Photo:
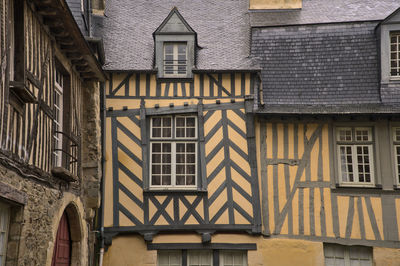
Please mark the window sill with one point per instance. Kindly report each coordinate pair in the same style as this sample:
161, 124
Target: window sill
174, 191
63, 174
355, 185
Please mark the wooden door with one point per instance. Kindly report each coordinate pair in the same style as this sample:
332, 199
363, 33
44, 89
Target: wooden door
62, 247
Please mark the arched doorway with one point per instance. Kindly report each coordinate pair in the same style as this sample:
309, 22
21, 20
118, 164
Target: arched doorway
62, 246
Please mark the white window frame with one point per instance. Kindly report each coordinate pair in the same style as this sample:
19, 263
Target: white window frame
346, 254
174, 141
58, 121
4, 229
231, 252
175, 53
396, 145
199, 252
396, 35
354, 144
172, 252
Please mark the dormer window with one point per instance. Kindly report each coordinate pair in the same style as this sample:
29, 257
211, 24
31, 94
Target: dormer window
175, 44
395, 54
175, 59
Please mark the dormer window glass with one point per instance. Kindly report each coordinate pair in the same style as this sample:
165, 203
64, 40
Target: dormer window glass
175, 59
395, 54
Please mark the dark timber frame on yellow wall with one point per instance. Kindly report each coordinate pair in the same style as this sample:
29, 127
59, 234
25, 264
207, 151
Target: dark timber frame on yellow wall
226, 198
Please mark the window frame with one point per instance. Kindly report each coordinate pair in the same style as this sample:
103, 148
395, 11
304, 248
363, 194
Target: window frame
7, 210
175, 55
396, 157
58, 125
346, 253
223, 252
373, 156
174, 141
192, 252
397, 35
169, 252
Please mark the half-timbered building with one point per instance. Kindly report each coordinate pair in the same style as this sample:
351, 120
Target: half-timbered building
50, 151
251, 133
328, 131
180, 179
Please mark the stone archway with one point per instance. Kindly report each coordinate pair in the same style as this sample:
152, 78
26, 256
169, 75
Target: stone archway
68, 238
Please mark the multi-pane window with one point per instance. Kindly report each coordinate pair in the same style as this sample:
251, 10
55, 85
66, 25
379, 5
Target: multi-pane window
395, 54
338, 255
175, 59
200, 258
4, 222
173, 148
58, 119
169, 258
396, 142
233, 258
355, 155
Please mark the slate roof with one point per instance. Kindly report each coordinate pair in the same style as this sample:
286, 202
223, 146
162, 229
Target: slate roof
308, 61
327, 11
222, 27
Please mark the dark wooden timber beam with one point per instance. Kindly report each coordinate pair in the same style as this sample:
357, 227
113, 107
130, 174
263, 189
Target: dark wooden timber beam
47, 11
76, 56
68, 48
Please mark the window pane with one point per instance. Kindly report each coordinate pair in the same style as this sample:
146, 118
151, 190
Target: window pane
156, 147
180, 147
166, 158
180, 180
166, 180
180, 122
190, 180
166, 147
156, 158
168, 48
180, 169
157, 122
156, 169
180, 132
191, 147
156, 180
190, 132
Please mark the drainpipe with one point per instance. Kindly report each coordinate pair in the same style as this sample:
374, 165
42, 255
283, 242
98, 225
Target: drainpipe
103, 158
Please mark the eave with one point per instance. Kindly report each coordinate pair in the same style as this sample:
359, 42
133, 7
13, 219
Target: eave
61, 24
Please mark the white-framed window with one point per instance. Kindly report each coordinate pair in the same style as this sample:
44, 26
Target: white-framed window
338, 255
355, 155
396, 147
169, 258
4, 225
200, 258
173, 152
233, 258
58, 118
175, 59
395, 54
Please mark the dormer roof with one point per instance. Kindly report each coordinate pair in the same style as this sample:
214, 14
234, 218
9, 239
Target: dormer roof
174, 23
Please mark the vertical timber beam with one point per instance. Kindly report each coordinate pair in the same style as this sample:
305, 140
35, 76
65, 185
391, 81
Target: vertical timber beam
250, 134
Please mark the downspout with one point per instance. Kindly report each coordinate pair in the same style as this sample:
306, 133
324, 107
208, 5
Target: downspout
103, 158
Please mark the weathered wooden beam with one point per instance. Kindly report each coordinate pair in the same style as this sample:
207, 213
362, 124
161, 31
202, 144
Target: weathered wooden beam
47, 11
75, 56
53, 22
68, 48
83, 69
64, 41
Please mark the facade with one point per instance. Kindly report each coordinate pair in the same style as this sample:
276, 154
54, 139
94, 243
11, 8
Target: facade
328, 128
50, 152
265, 134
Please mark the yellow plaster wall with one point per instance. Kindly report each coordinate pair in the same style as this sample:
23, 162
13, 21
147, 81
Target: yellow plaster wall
275, 4
132, 251
386, 256
129, 251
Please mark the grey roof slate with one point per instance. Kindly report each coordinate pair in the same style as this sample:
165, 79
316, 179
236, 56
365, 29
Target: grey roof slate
333, 109
318, 64
222, 27
327, 11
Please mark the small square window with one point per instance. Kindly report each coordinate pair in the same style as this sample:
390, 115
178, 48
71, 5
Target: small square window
355, 155
200, 258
